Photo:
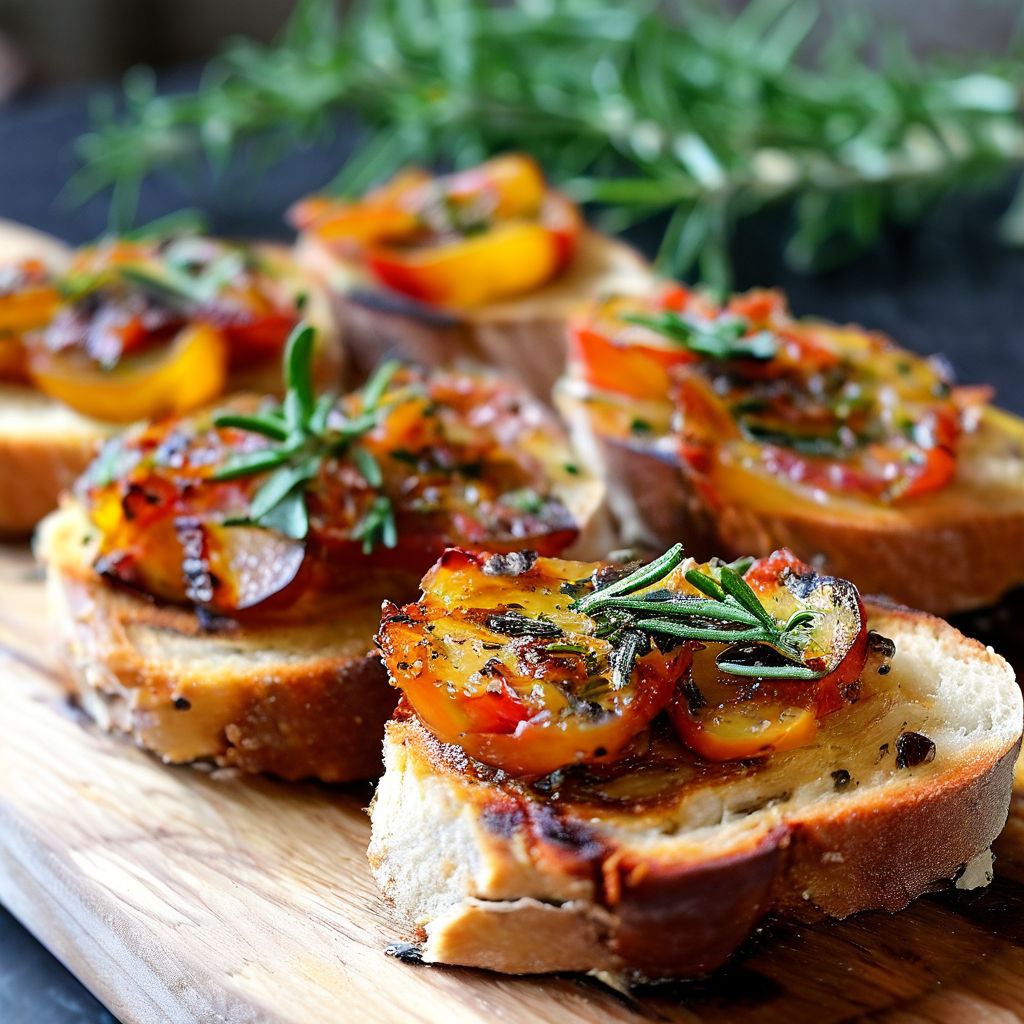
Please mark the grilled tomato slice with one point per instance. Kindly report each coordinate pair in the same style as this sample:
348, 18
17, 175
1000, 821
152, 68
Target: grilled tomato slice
495, 659
204, 510
465, 239
28, 299
535, 664
148, 328
755, 393
743, 700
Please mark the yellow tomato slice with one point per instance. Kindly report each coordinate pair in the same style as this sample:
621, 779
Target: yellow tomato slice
744, 729
27, 310
507, 260
172, 379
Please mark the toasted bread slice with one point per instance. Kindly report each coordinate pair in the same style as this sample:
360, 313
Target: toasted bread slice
298, 701
45, 445
661, 868
951, 550
524, 336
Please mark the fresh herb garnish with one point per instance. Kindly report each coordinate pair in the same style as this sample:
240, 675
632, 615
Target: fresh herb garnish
689, 108
728, 611
722, 338
305, 430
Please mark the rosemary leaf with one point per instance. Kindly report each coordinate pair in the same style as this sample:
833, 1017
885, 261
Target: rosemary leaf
279, 484
251, 463
734, 585
298, 371
289, 516
265, 425
686, 108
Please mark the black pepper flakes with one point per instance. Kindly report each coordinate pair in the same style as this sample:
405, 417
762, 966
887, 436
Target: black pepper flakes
182, 704
840, 779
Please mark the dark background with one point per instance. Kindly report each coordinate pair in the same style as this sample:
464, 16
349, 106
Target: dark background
948, 285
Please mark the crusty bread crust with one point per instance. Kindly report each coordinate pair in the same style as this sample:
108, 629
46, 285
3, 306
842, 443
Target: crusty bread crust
492, 874
525, 336
297, 701
45, 446
955, 550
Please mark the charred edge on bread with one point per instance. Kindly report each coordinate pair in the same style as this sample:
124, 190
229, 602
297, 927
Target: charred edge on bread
502, 819
913, 749
514, 563
573, 837
392, 302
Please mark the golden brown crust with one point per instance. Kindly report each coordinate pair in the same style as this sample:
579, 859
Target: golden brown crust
34, 471
525, 337
666, 892
956, 553
295, 701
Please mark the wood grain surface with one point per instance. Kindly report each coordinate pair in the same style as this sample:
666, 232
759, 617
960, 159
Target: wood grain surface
185, 895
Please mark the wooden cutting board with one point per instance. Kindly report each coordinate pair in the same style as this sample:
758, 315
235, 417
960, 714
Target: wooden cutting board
183, 895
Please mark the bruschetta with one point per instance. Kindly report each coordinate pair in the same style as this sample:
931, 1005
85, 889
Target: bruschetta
620, 770
483, 266
134, 329
741, 428
216, 579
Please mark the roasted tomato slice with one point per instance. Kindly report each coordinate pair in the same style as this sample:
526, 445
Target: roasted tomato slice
822, 407
724, 715
28, 300
465, 239
440, 459
186, 373
502, 666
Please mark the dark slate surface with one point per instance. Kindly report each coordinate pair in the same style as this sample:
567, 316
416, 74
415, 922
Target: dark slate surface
947, 287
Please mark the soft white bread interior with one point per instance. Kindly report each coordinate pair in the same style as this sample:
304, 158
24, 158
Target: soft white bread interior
308, 698
662, 870
947, 551
524, 336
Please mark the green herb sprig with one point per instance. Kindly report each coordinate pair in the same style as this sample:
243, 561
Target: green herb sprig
722, 338
306, 430
687, 108
728, 612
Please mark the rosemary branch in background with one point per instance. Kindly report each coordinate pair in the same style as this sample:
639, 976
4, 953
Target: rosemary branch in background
638, 107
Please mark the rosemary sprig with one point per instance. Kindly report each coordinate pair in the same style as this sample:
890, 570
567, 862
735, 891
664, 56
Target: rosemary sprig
306, 430
721, 338
685, 108
728, 612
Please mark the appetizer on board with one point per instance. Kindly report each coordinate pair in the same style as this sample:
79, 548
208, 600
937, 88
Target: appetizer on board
483, 265
740, 428
217, 578
134, 329
621, 769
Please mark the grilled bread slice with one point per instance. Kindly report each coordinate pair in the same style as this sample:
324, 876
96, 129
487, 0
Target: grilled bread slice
206, 632
45, 444
660, 864
830, 440
524, 337
306, 698
479, 267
